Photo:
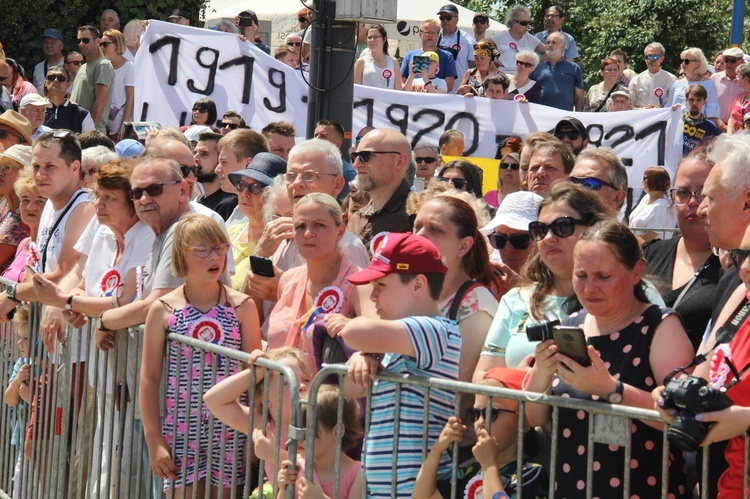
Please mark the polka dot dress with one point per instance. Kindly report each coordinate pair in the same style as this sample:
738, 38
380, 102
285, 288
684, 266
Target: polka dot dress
626, 355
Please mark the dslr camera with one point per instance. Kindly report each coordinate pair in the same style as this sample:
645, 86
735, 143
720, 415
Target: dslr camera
691, 395
542, 331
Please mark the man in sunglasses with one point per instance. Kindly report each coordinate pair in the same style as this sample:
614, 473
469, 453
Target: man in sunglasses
561, 80
553, 21
92, 88
428, 159
429, 33
381, 161
727, 85
601, 171
52, 44
480, 23
651, 88
572, 132
231, 120
459, 43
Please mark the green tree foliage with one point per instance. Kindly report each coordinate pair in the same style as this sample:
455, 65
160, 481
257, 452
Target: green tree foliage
22, 23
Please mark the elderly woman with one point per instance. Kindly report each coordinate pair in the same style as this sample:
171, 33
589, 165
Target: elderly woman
12, 229
597, 100
132, 33
251, 183
508, 179
319, 285
522, 87
484, 54
464, 175
654, 211
371, 68
63, 113
516, 38
123, 91
741, 104
695, 65
31, 205
632, 346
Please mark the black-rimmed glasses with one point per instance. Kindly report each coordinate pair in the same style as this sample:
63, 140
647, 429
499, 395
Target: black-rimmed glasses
518, 241
366, 156
562, 227
474, 413
153, 190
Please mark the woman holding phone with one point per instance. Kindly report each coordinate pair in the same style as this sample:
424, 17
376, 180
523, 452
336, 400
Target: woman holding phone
631, 345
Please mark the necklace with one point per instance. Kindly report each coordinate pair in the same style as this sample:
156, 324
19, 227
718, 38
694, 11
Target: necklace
684, 257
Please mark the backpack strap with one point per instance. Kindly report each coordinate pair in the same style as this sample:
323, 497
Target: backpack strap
459, 296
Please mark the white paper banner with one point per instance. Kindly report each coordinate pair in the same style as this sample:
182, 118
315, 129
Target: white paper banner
177, 65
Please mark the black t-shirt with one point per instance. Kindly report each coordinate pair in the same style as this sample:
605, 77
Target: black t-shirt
221, 202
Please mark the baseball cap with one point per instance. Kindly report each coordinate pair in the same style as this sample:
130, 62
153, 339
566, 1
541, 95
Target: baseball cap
18, 152
193, 132
571, 121
401, 253
480, 15
449, 9
734, 52
621, 92
129, 148
511, 378
179, 13
249, 13
516, 211
52, 33
433, 56
34, 100
17, 122
263, 169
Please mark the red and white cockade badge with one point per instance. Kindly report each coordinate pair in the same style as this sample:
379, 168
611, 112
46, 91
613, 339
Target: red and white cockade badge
513, 46
474, 489
387, 73
378, 241
519, 97
110, 281
208, 331
658, 92
330, 299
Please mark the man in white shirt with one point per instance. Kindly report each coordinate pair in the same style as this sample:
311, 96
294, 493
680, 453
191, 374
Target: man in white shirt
33, 107
727, 85
651, 88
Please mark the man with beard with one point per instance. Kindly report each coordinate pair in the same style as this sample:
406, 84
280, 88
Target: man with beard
553, 21
561, 80
381, 160
573, 133
206, 155
696, 128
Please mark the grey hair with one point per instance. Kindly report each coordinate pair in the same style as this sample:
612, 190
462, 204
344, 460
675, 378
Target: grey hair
743, 71
654, 45
411, 171
171, 166
618, 175
530, 54
697, 53
732, 152
514, 13
556, 34
132, 32
97, 156
427, 145
331, 154
270, 195
117, 16
232, 28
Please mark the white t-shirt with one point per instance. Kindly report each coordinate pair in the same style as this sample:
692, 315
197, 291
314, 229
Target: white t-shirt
124, 77
657, 215
509, 47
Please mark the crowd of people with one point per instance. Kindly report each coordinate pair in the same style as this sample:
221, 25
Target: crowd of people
397, 262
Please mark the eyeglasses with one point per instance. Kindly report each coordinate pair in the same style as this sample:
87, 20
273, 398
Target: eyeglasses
303, 20
569, 134
425, 159
6, 169
4, 134
104, 44
687, 61
591, 183
653, 57
524, 64
83, 40
458, 183
358, 139
231, 126
481, 20
253, 188
446, 18
60, 78
730, 60
196, 169
204, 251
473, 413
523, 23
306, 176
562, 227
75, 63
374, 37
294, 44
153, 190
63, 134
681, 197
512, 166
518, 241
739, 256
366, 156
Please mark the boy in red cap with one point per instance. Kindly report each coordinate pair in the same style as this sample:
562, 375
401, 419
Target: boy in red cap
494, 473
410, 337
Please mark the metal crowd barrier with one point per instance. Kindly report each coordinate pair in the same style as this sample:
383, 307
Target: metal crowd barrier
662, 232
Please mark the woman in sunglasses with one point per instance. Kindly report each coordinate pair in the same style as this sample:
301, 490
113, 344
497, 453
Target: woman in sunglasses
377, 68
516, 38
508, 179
695, 67
631, 345
523, 88
123, 91
654, 211
597, 99
464, 175
546, 279
204, 113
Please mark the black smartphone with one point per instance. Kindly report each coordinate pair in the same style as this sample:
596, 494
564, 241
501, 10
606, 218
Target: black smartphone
571, 342
261, 266
421, 63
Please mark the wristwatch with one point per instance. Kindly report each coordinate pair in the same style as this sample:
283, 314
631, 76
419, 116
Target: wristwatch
616, 396
10, 291
100, 325
69, 303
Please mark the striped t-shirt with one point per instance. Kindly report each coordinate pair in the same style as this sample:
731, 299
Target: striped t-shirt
437, 345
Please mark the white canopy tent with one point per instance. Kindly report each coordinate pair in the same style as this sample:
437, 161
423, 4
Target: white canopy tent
282, 16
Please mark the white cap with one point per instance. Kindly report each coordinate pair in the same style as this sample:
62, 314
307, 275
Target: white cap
193, 132
517, 210
34, 100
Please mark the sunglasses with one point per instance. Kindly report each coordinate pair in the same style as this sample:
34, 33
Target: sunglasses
562, 227
687, 61
473, 413
591, 183
681, 197
199, 109
83, 40
446, 18
294, 44
253, 188
104, 44
204, 251
196, 169
524, 64
231, 126
306, 176
523, 23
570, 134
425, 159
481, 20
303, 20
653, 57
60, 78
366, 156
458, 183
518, 241
153, 190
739, 256
4, 134
730, 60
512, 166
75, 63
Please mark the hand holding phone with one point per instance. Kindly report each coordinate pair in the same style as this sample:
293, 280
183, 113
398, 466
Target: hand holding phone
261, 266
571, 342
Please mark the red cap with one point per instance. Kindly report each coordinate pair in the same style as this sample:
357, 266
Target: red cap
511, 378
399, 253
